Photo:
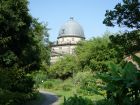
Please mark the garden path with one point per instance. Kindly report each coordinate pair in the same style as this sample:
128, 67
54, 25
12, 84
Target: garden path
49, 98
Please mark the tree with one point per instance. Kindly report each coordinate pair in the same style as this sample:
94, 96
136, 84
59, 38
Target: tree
14, 28
126, 43
64, 67
20, 38
39, 33
125, 14
96, 53
122, 84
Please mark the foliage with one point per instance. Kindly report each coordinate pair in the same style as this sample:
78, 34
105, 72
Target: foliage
47, 84
84, 81
104, 102
15, 23
67, 87
126, 14
56, 84
126, 43
64, 68
20, 36
77, 100
96, 53
39, 32
87, 83
16, 98
20, 53
50, 84
123, 84
39, 77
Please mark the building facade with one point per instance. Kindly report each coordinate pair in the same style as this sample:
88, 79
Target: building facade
69, 35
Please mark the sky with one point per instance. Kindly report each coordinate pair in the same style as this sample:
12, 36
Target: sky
88, 13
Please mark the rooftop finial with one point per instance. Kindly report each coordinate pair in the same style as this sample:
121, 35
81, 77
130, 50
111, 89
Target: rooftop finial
71, 18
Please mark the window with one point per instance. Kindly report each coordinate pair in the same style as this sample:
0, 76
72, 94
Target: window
72, 39
62, 39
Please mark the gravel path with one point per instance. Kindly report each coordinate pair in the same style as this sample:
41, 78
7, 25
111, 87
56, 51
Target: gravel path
49, 98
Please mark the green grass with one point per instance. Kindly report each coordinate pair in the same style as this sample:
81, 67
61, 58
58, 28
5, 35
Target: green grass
67, 89
63, 89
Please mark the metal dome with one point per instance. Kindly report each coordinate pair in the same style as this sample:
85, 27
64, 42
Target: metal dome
71, 28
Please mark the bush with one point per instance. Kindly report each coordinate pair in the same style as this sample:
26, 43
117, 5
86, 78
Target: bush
66, 87
63, 68
48, 84
15, 98
77, 100
85, 82
16, 87
96, 53
39, 77
83, 79
122, 84
104, 102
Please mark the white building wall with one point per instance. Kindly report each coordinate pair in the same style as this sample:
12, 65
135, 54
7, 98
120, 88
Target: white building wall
65, 40
64, 46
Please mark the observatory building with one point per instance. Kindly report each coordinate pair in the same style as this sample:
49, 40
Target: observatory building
69, 35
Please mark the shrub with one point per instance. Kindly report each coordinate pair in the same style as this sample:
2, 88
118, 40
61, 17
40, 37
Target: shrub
122, 84
48, 84
39, 77
83, 79
64, 68
15, 98
66, 87
104, 102
85, 82
77, 100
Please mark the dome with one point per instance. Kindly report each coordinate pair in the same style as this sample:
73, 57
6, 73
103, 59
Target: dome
71, 28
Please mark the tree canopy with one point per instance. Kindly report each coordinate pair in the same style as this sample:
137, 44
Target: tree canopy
126, 13
122, 82
96, 53
126, 43
21, 50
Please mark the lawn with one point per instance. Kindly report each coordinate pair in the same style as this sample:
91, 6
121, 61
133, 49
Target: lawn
67, 89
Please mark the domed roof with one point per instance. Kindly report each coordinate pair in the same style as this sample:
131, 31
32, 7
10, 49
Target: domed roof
71, 28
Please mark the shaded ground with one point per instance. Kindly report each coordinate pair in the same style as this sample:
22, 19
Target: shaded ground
49, 98
46, 98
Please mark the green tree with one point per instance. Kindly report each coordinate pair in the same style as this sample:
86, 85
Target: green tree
14, 28
95, 54
39, 32
20, 38
126, 43
122, 84
126, 14
64, 67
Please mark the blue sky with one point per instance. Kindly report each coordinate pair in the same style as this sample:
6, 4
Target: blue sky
89, 13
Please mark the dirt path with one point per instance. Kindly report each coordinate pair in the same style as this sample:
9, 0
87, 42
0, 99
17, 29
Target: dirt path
49, 98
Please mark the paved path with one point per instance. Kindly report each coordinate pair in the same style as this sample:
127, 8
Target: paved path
49, 98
